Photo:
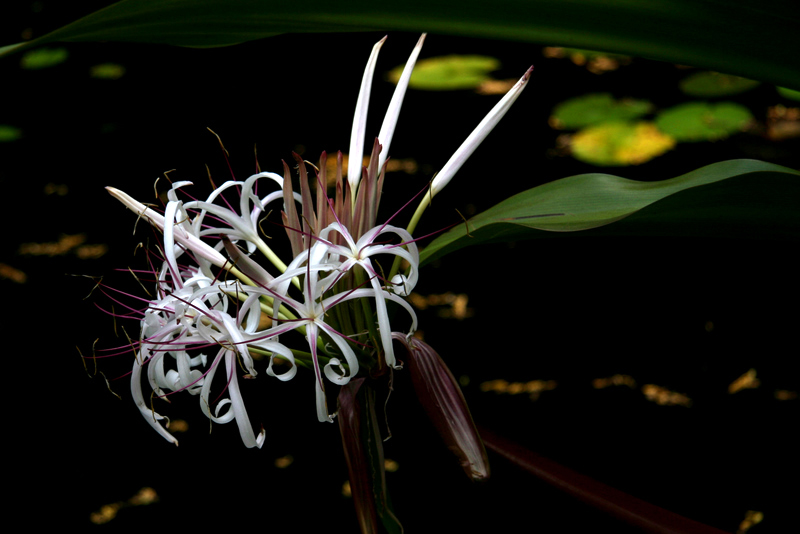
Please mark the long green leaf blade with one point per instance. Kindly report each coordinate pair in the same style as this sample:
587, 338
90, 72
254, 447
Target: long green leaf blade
737, 198
758, 41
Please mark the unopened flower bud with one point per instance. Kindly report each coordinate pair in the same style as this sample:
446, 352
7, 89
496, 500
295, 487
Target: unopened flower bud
441, 396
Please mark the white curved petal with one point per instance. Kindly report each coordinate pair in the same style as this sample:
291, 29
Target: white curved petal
347, 352
356, 154
150, 416
393, 112
235, 338
206, 389
384, 328
239, 411
172, 192
287, 355
322, 404
169, 242
400, 285
319, 387
339, 377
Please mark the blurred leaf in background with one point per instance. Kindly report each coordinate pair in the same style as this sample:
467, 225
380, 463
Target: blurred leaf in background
595, 108
594, 61
687, 32
712, 84
700, 121
448, 73
9, 133
42, 58
620, 143
107, 71
789, 93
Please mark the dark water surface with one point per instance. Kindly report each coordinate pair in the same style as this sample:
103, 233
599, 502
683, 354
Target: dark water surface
688, 315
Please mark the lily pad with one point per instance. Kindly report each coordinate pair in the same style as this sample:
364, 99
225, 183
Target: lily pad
43, 58
9, 133
595, 108
791, 94
448, 73
620, 143
107, 71
710, 84
701, 121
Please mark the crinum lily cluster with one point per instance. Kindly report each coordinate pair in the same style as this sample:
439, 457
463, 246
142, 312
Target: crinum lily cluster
223, 295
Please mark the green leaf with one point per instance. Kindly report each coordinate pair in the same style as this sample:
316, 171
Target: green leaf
620, 143
594, 108
700, 121
9, 133
737, 198
448, 73
789, 93
43, 58
10, 49
705, 34
711, 84
107, 71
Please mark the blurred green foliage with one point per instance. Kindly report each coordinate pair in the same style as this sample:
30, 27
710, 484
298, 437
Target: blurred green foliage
447, 73
700, 121
42, 58
707, 84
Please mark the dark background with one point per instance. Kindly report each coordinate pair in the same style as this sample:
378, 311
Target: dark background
690, 315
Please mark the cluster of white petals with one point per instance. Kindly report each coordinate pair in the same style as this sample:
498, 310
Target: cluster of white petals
215, 302
198, 310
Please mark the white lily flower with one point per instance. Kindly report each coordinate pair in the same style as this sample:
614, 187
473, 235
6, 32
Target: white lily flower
197, 309
191, 318
310, 315
243, 225
359, 253
311, 311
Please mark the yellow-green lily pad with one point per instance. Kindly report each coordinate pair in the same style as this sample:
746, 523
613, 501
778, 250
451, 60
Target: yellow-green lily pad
596, 108
107, 71
42, 58
448, 73
620, 143
710, 84
701, 121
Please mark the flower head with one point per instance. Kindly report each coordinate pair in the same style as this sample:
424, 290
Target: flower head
191, 315
218, 300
